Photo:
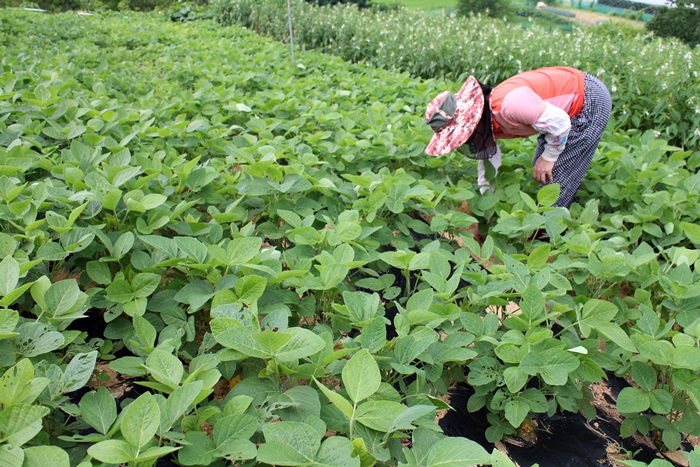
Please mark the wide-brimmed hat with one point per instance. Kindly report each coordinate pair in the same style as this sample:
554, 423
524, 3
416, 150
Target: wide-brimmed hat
453, 118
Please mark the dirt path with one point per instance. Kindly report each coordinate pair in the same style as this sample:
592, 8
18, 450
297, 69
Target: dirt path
588, 18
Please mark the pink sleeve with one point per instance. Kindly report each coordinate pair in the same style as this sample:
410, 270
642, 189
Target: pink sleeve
521, 106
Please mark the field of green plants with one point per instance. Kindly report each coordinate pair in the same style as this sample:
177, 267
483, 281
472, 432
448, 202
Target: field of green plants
210, 257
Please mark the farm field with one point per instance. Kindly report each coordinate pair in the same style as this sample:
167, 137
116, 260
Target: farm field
209, 256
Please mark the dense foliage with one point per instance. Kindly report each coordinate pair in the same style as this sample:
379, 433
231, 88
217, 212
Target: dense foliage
681, 22
210, 256
654, 83
494, 8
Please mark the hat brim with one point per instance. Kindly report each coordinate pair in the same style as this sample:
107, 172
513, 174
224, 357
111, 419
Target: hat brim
470, 105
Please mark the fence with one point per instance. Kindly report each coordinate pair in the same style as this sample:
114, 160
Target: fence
594, 6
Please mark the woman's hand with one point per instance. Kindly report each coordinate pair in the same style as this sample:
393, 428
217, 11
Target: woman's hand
543, 171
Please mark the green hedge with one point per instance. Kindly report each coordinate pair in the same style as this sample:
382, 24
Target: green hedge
681, 22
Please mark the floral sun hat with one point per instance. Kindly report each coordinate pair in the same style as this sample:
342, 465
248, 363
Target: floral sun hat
453, 118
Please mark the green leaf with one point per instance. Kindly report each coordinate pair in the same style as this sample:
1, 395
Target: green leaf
62, 296
361, 306
250, 288
516, 410
299, 343
361, 376
178, 403
144, 284
8, 322
119, 291
165, 368
337, 451
99, 409
554, 365
11, 456
538, 258
113, 451
692, 231
199, 450
632, 400
193, 248
644, 375
232, 434
289, 443
241, 250
41, 456
515, 378
596, 312
78, 371
548, 194
141, 421
456, 452
379, 415
195, 294
660, 401
20, 423
616, 334
339, 401
9, 275
99, 272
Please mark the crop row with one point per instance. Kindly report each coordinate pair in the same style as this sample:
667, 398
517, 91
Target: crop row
653, 82
209, 255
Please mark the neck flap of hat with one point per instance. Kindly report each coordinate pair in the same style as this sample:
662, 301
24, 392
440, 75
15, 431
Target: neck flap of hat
444, 114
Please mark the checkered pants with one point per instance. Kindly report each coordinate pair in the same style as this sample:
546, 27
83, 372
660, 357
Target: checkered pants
586, 130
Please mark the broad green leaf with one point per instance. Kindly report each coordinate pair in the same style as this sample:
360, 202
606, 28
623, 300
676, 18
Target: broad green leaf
232, 436
299, 343
289, 444
644, 375
243, 249
337, 451
123, 245
21, 422
379, 415
195, 294
538, 257
515, 378
99, 272
553, 365
62, 296
144, 284
596, 312
339, 401
11, 456
516, 410
199, 450
8, 322
660, 401
405, 419
78, 371
548, 194
632, 400
113, 451
35, 338
361, 376
119, 291
42, 456
178, 403
9, 275
99, 409
250, 288
456, 452
616, 334
141, 421
165, 368
361, 306
659, 352
692, 231
193, 248
18, 384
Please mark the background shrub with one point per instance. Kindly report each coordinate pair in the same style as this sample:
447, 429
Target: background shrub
681, 22
493, 8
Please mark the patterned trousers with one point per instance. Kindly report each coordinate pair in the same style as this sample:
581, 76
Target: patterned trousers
586, 130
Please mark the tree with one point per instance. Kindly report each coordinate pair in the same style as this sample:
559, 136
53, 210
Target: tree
494, 8
682, 22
